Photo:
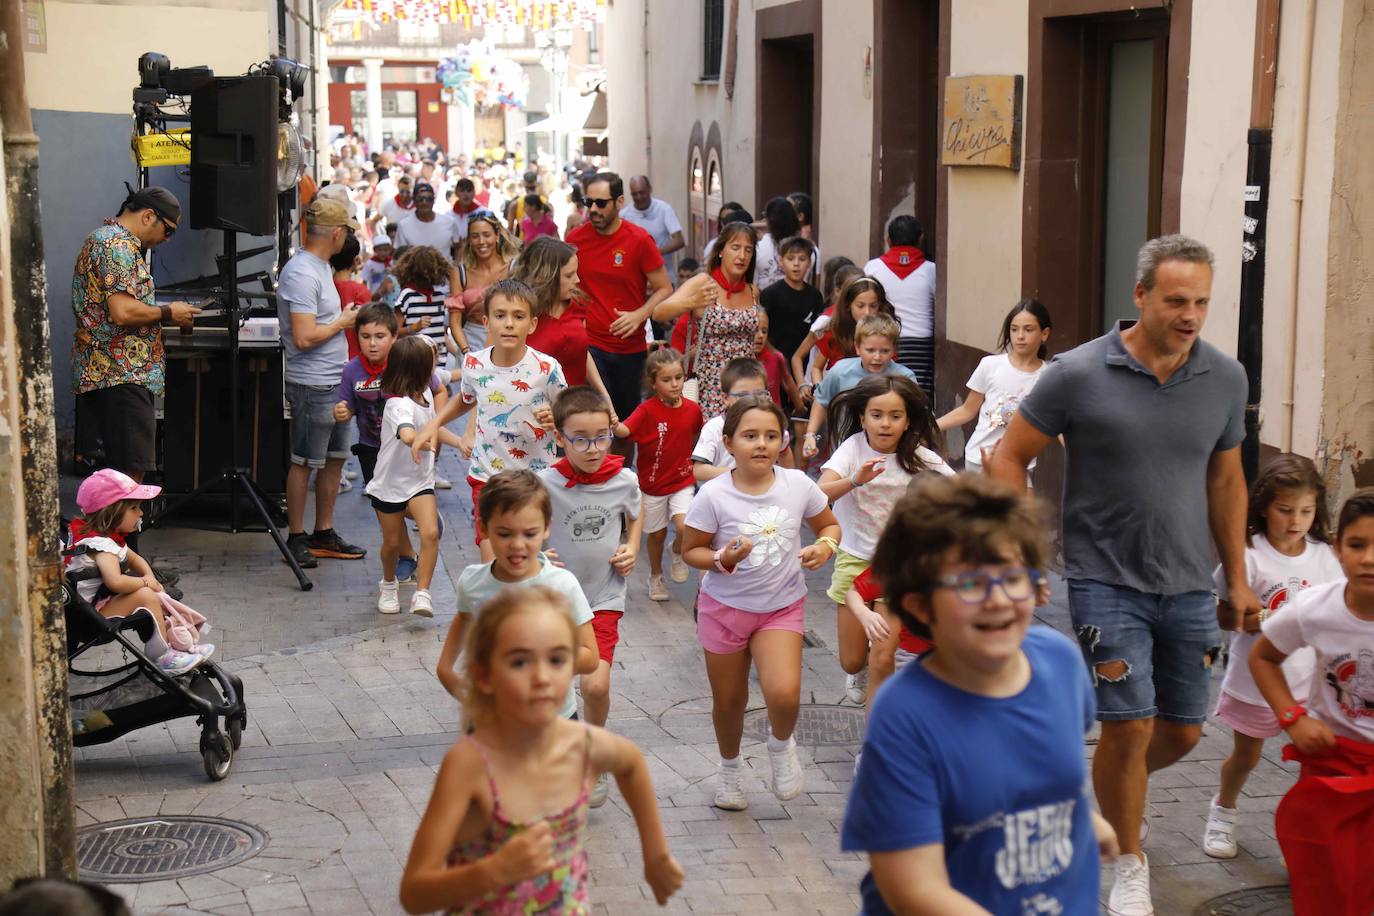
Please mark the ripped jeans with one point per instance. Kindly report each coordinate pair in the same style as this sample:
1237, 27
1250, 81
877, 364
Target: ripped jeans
1149, 655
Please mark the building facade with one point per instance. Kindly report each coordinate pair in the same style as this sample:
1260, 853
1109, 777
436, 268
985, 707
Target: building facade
1130, 119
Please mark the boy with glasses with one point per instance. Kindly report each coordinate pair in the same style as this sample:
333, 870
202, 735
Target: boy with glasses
741, 378
594, 498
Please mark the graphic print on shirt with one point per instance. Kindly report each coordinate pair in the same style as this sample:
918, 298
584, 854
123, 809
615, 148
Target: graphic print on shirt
1352, 678
1037, 843
586, 522
1277, 594
507, 397
999, 413
767, 529
662, 428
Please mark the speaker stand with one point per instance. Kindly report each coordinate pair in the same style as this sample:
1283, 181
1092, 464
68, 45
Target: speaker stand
237, 480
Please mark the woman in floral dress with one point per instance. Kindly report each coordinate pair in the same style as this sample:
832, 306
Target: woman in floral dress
724, 307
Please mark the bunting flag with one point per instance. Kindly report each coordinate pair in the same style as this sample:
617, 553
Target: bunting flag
541, 14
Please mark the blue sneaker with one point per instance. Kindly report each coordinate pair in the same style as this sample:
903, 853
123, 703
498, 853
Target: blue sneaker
405, 569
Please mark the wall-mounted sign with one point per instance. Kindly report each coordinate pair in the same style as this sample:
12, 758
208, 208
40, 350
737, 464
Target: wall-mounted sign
982, 121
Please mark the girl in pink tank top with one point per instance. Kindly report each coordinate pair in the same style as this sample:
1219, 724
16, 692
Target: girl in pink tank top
506, 826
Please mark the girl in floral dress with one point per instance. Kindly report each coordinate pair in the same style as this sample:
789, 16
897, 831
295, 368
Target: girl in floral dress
744, 530
725, 315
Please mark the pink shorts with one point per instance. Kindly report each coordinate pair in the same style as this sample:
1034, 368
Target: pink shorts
1247, 718
725, 630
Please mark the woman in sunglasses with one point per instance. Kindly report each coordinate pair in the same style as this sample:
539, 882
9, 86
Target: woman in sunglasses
487, 257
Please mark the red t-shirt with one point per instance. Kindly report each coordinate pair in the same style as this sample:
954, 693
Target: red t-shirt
776, 366
665, 436
352, 292
613, 270
565, 339
870, 591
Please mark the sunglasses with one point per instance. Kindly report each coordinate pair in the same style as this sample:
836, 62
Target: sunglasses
600, 203
167, 227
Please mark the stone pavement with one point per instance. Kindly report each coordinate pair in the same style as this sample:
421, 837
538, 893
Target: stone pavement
347, 725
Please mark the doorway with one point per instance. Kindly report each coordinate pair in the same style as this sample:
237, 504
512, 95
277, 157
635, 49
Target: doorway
788, 116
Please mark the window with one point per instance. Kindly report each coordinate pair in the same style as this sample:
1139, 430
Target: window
696, 203
712, 38
715, 194
399, 122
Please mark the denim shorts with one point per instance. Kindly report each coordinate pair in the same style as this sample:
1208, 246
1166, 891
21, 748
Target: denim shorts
1166, 642
315, 435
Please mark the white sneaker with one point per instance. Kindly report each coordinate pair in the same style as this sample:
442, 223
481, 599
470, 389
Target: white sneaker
677, 568
600, 791
388, 601
421, 605
1219, 840
729, 794
856, 687
344, 484
787, 771
174, 663
1130, 894
350, 474
442, 483
657, 590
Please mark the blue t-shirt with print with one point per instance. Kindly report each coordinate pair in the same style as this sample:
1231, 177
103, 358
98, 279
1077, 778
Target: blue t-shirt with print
848, 372
1000, 782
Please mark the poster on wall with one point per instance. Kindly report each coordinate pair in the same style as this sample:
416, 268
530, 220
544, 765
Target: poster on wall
982, 124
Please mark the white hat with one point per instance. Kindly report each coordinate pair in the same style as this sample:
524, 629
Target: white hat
381, 238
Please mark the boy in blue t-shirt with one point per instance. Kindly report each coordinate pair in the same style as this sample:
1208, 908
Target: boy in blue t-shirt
875, 343
971, 791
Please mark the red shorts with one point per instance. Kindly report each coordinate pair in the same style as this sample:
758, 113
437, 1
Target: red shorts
477, 486
606, 626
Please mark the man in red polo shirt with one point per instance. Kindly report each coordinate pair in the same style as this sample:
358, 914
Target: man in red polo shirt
616, 262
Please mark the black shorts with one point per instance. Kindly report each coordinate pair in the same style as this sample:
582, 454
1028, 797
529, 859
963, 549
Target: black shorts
387, 508
123, 418
367, 460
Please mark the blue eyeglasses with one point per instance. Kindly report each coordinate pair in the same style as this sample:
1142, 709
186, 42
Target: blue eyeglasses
580, 444
1018, 584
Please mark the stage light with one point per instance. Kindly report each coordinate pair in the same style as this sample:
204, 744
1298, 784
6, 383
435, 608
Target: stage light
290, 74
152, 69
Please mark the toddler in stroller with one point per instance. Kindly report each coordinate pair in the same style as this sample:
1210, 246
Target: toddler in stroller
117, 582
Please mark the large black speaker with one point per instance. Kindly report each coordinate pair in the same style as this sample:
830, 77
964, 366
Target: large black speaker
234, 154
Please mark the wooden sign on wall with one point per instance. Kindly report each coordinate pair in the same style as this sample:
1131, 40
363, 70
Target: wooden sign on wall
982, 121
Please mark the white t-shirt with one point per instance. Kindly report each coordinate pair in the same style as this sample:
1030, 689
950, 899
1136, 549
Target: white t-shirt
81, 562
439, 234
398, 477
863, 513
393, 212
1342, 688
1276, 580
1003, 387
660, 222
912, 296
710, 448
771, 577
508, 434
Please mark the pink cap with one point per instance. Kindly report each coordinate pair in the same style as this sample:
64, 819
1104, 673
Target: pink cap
107, 486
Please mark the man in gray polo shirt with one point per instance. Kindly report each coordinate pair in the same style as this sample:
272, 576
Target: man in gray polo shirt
312, 336
1152, 419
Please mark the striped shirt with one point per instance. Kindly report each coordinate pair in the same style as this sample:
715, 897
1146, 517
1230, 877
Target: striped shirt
418, 304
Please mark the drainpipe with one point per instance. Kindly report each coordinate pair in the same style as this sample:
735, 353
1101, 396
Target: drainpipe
1304, 110
648, 110
37, 442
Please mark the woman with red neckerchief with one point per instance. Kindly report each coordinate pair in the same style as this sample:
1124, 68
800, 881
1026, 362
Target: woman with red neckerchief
724, 306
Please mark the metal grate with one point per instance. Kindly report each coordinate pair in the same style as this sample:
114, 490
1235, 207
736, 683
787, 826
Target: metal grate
1255, 901
817, 725
159, 848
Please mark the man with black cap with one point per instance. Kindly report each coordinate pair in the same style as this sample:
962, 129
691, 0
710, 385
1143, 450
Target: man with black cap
426, 227
118, 364
312, 326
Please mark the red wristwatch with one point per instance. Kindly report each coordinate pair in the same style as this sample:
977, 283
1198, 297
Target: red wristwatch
1291, 715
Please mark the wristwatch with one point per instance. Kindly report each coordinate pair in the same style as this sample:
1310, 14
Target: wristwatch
720, 564
1291, 715
165, 314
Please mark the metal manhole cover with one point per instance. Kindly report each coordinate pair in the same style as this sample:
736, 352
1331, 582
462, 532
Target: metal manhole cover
159, 848
817, 725
1255, 901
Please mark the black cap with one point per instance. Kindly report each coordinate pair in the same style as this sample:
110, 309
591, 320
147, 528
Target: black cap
160, 200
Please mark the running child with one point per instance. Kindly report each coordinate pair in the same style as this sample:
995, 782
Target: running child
1289, 551
876, 339
744, 530
741, 378
505, 829
832, 335
514, 513
886, 436
594, 498
360, 397
117, 582
423, 274
664, 427
512, 386
971, 793
1002, 380
401, 486
886, 655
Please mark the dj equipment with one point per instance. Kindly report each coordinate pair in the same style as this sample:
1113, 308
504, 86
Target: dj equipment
234, 140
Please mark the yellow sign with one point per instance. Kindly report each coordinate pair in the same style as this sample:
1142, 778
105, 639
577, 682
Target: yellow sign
982, 121
171, 148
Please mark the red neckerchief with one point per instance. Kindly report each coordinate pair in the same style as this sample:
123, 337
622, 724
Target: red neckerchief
372, 375
385, 262
429, 293
730, 288
609, 468
80, 532
473, 209
902, 260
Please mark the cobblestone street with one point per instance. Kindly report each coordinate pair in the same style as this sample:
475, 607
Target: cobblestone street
347, 725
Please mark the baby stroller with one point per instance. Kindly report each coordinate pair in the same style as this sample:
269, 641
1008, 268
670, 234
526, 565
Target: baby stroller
112, 693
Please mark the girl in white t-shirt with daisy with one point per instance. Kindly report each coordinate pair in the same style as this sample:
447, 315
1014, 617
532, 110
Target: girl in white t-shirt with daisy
1289, 551
744, 530
886, 435
1002, 381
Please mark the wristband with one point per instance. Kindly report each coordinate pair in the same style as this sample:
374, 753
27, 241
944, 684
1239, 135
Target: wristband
720, 564
828, 541
165, 313
854, 480
1289, 717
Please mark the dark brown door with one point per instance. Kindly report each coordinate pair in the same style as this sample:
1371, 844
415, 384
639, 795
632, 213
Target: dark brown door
786, 97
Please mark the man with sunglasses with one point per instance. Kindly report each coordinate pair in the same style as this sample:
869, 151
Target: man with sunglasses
118, 364
616, 262
426, 227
